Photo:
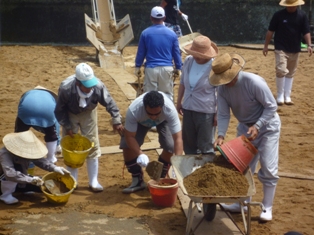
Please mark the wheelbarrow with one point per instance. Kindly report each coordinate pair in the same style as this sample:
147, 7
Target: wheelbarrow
185, 165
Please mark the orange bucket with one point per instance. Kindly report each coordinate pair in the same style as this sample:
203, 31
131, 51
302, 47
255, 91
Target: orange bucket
239, 151
163, 192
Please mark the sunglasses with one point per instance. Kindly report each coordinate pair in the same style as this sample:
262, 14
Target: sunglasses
153, 114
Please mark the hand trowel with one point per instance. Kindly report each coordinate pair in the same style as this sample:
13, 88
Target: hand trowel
154, 169
52, 186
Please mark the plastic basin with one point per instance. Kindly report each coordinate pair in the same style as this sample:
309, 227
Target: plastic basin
163, 192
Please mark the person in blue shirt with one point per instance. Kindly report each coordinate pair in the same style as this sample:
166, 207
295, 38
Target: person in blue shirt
160, 47
36, 110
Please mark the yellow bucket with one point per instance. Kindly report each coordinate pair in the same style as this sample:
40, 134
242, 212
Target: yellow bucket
75, 150
69, 183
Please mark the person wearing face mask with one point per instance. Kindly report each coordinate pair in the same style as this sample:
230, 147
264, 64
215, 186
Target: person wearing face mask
76, 110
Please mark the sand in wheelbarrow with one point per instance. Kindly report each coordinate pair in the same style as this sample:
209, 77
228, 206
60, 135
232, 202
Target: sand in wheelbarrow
217, 178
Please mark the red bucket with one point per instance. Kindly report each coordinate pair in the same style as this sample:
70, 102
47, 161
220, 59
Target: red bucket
163, 192
239, 151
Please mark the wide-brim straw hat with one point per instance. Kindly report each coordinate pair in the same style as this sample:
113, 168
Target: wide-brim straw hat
202, 47
291, 3
25, 144
225, 68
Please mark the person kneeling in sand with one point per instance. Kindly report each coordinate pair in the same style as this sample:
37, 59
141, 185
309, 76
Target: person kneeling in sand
19, 150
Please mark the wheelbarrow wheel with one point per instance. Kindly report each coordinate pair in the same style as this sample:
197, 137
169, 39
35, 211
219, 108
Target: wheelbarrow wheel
209, 210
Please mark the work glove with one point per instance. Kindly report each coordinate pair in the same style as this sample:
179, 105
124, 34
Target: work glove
61, 170
142, 160
184, 17
137, 71
37, 181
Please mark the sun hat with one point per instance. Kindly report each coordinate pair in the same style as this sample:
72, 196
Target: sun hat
85, 74
45, 89
25, 144
225, 68
291, 3
157, 12
202, 47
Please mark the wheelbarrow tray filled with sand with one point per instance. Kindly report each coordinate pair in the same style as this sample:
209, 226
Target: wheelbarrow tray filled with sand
185, 165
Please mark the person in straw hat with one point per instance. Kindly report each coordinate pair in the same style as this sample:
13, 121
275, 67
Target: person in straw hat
288, 25
251, 101
19, 150
36, 109
199, 97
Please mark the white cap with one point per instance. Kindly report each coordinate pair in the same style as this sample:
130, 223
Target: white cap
158, 12
85, 74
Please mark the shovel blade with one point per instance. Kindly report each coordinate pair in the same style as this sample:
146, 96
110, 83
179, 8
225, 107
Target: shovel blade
154, 169
52, 186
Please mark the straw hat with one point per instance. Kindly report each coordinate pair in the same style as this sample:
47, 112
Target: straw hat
225, 68
45, 89
291, 3
202, 47
25, 144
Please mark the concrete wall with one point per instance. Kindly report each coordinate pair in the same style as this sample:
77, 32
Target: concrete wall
62, 21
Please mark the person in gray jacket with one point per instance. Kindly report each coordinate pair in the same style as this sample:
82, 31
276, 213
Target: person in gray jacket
76, 110
254, 106
19, 150
199, 97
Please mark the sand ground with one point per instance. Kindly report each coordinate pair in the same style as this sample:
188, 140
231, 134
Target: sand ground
24, 67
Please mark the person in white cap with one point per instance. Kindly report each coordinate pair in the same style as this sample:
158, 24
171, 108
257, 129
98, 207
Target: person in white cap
76, 110
288, 25
36, 109
252, 103
19, 150
160, 46
197, 99
172, 10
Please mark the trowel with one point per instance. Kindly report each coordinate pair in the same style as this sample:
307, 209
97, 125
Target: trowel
52, 186
154, 169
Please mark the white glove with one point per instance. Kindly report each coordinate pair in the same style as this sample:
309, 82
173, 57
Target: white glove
184, 17
137, 72
61, 170
142, 160
37, 181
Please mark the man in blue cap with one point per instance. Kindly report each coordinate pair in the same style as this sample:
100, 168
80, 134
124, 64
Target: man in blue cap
76, 110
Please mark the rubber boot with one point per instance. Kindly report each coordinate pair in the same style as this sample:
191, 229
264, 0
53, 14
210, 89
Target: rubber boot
92, 170
51, 146
287, 93
165, 167
269, 194
235, 207
74, 173
280, 83
137, 177
58, 149
7, 188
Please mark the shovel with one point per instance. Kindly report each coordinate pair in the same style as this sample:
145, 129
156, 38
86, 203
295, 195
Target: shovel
154, 169
187, 39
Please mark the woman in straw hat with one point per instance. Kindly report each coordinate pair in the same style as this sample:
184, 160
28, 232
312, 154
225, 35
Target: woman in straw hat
199, 97
252, 103
18, 151
288, 25
36, 110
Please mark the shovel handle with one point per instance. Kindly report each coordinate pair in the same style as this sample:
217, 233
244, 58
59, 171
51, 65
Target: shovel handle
189, 26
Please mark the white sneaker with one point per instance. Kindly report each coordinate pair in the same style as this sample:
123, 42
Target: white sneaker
234, 208
266, 216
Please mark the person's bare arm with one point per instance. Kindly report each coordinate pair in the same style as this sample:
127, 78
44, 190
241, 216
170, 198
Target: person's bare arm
131, 142
307, 38
178, 143
268, 37
163, 4
179, 100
